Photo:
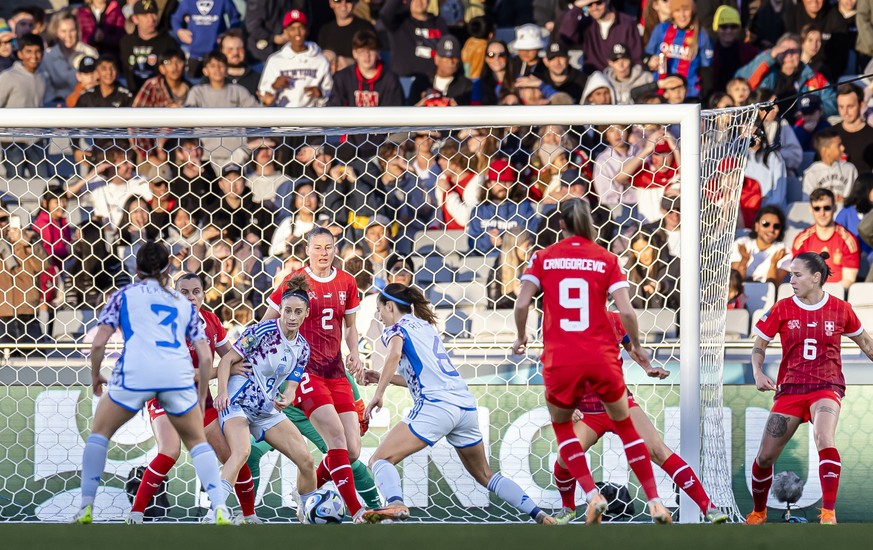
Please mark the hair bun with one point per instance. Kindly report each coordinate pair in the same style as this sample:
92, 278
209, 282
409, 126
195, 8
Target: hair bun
824, 255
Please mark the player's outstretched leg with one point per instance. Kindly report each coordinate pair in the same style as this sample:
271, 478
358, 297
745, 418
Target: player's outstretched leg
566, 484
341, 433
778, 432
169, 447
825, 414
397, 445
572, 454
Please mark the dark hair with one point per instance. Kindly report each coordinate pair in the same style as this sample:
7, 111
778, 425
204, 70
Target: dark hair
860, 194
760, 95
214, 55
848, 89
318, 231
824, 137
365, 39
715, 98
822, 193
480, 27
30, 39
175, 53
296, 287
418, 304
231, 33
361, 269
816, 263
52, 192
576, 215
152, 259
192, 277
775, 211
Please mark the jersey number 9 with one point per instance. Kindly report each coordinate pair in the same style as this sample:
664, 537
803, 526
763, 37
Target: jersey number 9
579, 303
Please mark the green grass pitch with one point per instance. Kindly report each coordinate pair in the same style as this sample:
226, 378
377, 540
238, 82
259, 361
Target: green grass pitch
432, 537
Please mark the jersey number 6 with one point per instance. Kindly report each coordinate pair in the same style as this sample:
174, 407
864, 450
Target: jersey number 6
579, 303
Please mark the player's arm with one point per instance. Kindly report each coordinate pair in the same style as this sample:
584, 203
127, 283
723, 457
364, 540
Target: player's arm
521, 311
98, 351
621, 296
205, 370
392, 360
865, 342
353, 363
271, 313
222, 400
762, 381
850, 274
373, 376
654, 372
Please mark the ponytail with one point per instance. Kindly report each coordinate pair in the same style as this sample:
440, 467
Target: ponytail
816, 263
297, 287
152, 259
408, 299
576, 215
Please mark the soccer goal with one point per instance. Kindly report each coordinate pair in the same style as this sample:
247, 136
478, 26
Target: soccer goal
451, 199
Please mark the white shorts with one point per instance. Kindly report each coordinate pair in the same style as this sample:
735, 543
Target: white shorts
174, 402
431, 421
258, 425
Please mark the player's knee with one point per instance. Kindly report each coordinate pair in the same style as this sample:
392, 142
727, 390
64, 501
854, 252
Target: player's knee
305, 463
765, 460
659, 453
172, 452
824, 441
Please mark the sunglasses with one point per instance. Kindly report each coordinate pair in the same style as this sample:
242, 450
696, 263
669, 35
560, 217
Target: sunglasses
826, 208
7, 41
341, 1
776, 226
496, 54
4, 219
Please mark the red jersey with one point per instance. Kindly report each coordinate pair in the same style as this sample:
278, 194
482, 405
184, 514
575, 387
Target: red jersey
842, 246
810, 343
217, 337
576, 276
590, 403
330, 298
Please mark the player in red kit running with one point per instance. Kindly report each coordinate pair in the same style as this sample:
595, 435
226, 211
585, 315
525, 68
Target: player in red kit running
810, 384
325, 394
591, 423
576, 276
191, 286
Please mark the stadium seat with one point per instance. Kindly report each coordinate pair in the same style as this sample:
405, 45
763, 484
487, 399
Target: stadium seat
760, 295
737, 324
27, 191
499, 325
791, 233
657, 324
861, 295
865, 315
799, 215
834, 289
472, 293
68, 322
443, 241
454, 324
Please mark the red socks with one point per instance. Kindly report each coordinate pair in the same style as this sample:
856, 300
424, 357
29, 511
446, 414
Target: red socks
638, 457
566, 484
829, 473
322, 474
686, 479
245, 491
337, 463
155, 473
573, 455
762, 478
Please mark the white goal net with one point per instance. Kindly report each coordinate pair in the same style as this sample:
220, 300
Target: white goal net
452, 200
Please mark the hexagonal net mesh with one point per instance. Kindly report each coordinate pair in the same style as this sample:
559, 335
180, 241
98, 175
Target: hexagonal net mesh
454, 211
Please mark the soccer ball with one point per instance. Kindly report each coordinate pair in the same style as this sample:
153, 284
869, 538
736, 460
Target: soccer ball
324, 506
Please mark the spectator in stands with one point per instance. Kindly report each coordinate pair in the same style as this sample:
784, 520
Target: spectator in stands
135, 229
668, 224
503, 206
27, 20
163, 204
232, 45
528, 44
169, 88
776, 131
197, 26
107, 92
378, 248
652, 271
413, 34
739, 90
856, 135
826, 234
238, 217
497, 74
799, 13
86, 77
423, 162
623, 75
811, 52
548, 229
473, 53
504, 281
141, 49
95, 268
598, 91
831, 172
767, 24
447, 78
619, 198
184, 234
21, 266
304, 214
736, 291
338, 35
457, 189
7, 46
858, 204
654, 13
59, 63
560, 75
780, 69
730, 50
193, 180
681, 47
653, 167
263, 27
264, 177
810, 123
22, 86
762, 256
673, 89
230, 284
119, 184
598, 30
101, 25
298, 75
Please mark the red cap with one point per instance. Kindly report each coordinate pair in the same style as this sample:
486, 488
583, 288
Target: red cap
294, 16
500, 170
663, 148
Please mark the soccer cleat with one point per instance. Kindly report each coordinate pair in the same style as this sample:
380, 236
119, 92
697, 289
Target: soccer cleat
659, 513
396, 511
301, 513
714, 515
756, 518
827, 517
134, 518
565, 516
545, 519
596, 508
222, 516
83, 516
247, 520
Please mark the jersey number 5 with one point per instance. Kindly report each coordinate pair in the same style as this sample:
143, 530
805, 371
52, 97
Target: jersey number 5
579, 303
169, 320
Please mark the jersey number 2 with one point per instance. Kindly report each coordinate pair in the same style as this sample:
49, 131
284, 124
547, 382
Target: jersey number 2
169, 320
326, 318
580, 303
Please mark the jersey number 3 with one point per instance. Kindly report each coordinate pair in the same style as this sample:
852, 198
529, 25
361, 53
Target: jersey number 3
579, 304
169, 315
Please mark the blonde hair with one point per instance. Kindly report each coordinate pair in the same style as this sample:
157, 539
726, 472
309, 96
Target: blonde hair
512, 266
576, 215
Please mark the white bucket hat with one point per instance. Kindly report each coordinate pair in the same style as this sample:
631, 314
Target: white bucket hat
528, 37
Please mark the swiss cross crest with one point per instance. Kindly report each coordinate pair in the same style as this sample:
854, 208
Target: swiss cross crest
342, 297
829, 328
794, 324
204, 6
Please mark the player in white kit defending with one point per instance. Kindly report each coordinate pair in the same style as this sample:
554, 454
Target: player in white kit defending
253, 404
444, 406
155, 363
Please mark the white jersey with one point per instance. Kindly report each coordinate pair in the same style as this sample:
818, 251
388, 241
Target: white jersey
426, 366
155, 322
274, 359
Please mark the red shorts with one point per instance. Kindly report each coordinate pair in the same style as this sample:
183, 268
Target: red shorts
315, 391
156, 411
567, 385
801, 404
600, 423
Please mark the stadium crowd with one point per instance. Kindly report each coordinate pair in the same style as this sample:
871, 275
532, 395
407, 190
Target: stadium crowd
236, 209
